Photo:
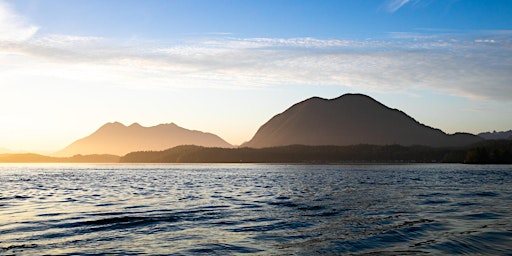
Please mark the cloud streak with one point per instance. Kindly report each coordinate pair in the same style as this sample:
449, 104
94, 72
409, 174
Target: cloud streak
394, 5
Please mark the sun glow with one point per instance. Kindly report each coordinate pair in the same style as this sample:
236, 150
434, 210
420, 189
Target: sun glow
58, 86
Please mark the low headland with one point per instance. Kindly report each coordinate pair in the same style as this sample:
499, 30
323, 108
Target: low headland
484, 152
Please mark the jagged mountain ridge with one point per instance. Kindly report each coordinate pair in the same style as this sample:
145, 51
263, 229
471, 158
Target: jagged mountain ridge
118, 139
503, 135
350, 119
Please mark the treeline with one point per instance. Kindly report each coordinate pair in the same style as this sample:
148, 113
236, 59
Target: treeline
497, 152
36, 158
490, 152
485, 152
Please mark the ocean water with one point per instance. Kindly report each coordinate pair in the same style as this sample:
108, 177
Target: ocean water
255, 209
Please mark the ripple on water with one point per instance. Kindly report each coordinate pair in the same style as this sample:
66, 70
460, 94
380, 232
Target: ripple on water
219, 249
481, 216
256, 209
488, 243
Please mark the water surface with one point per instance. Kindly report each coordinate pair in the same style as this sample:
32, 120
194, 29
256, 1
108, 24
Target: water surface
256, 209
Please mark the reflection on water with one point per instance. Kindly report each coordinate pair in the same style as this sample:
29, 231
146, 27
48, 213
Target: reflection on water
256, 209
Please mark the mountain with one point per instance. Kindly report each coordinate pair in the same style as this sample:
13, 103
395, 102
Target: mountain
350, 119
118, 139
505, 135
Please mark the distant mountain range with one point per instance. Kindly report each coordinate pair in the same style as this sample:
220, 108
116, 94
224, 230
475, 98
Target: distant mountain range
505, 135
350, 119
118, 139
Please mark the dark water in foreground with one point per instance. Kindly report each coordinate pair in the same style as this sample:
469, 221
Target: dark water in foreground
256, 209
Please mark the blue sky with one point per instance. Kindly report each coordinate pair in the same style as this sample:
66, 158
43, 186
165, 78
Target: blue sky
226, 67
171, 19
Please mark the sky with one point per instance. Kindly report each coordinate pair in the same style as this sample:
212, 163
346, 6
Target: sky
228, 66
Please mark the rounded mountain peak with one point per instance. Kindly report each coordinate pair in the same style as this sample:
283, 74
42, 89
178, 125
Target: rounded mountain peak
354, 97
344, 97
347, 101
135, 125
113, 125
168, 125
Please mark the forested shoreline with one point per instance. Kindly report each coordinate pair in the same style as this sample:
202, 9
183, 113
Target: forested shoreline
485, 152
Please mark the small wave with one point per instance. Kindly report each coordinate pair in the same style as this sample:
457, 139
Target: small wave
481, 194
378, 241
121, 222
249, 205
19, 248
485, 243
272, 227
135, 207
332, 212
220, 249
104, 204
481, 216
439, 201
486, 194
22, 197
312, 208
130, 220
283, 203
49, 214
433, 195
465, 204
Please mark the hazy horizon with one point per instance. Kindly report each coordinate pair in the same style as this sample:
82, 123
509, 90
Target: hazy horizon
227, 67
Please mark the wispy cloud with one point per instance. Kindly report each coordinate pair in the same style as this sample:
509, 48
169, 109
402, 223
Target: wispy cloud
394, 5
13, 27
474, 67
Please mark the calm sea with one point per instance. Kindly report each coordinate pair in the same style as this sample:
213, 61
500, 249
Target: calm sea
256, 209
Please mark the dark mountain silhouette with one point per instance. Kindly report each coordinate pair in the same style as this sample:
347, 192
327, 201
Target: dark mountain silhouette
118, 139
350, 119
505, 135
